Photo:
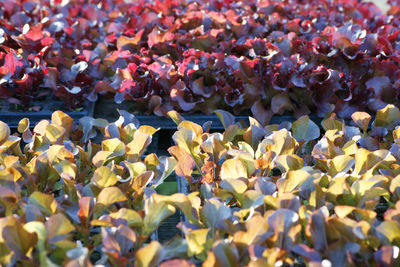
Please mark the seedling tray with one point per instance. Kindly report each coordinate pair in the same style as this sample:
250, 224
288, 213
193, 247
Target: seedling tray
12, 118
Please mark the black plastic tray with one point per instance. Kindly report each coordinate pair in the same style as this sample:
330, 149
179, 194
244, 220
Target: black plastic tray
107, 109
167, 123
12, 118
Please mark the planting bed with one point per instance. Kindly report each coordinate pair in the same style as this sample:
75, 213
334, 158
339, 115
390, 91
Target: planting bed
287, 194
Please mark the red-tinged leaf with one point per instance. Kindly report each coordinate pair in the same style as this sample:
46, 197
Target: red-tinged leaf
34, 33
177, 263
156, 37
131, 44
86, 205
103, 87
186, 163
13, 63
24, 85
52, 76
387, 256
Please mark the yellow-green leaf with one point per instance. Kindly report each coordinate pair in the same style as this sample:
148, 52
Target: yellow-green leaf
305, 129
387, 117
196, 241
233, 169
114, 145
150, 255
110, 195
104, 177
131, 216
46, 203
293, 180
389, 233
175, 116
4, 132
236, 186
60, 118
54, 133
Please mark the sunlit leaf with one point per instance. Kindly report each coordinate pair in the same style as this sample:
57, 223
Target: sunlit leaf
175, 116
256, 226
289, 162
54, 133
293, 180
60, 118
46, 203
115, 146
131, 216
225, 117
4, 132
104, 177
40, 230
389, 232
150, 255
340, 165
362, 119
387, 117
233, 169
283, 142
156, 212
197, 241
236, 186
110, 195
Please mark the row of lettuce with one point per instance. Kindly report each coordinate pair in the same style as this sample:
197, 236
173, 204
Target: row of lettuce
267, 57
277, 195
